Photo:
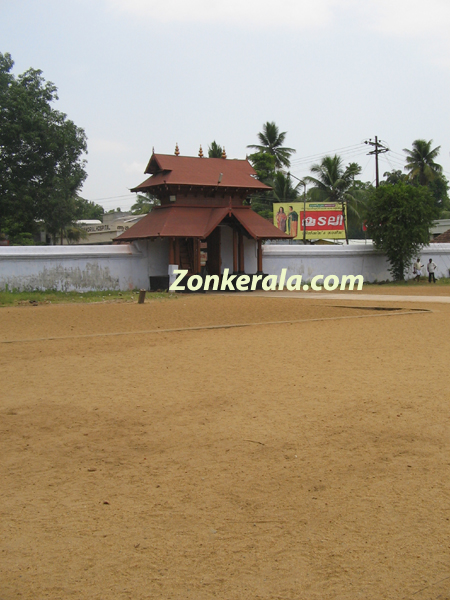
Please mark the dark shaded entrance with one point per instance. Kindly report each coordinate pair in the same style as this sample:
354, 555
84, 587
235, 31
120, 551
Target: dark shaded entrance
214, 250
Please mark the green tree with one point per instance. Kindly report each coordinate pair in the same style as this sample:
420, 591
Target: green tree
281, 184
41, 155
334, 183
264, 165
361, 191
87, 209
420, 161
393, 177
74, 234
215, 151
271, 142
423, 171
398, 220
283, 190
439, 188
144, 204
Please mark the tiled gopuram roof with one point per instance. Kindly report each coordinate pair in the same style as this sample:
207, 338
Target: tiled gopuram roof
169, 169
199, 222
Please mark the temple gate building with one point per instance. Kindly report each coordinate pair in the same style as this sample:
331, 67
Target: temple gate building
202, 224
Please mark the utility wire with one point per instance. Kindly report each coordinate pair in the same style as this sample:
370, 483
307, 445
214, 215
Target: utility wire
113, 197
313, 157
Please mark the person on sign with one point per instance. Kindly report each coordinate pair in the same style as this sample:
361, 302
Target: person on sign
417, 270
292, 222
281, 219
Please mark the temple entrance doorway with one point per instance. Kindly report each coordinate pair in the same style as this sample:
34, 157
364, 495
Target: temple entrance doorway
214, 261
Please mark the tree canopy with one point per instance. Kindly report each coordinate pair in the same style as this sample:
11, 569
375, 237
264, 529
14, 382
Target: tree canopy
144, 204
420, 161
334, 182
333, 179
215, 151
271, 142
422, 170
399, 217
42, 162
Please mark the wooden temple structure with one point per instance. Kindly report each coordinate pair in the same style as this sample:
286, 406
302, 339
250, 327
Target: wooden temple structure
202, 217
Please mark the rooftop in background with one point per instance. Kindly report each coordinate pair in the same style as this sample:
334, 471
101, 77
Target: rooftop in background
169, 169
438, 227
444, 238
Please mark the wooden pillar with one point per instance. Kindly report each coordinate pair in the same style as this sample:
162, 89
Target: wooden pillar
259, 256
171, 251
177, 252
235, 251
198, 259
241, 252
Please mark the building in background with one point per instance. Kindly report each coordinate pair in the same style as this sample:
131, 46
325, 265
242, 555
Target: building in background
105, 232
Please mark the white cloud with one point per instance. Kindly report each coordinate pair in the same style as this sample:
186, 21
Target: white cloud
103, 146
135, 167
245, 13
408, 17
413, 19
396, 17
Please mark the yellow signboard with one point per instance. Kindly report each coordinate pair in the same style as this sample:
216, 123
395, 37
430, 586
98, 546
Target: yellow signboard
322, 220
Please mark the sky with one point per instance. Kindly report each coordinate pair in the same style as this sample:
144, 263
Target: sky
144, 74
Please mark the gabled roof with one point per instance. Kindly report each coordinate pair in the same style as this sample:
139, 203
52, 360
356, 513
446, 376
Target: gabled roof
175, 221
198, 222
443, 238
256, 225
206, 172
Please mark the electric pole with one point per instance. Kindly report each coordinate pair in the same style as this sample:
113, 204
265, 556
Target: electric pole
379, 148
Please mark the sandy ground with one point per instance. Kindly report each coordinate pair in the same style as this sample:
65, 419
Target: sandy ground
306, 460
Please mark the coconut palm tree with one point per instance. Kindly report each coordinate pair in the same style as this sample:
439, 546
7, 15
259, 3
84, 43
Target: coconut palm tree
271, 141
144, 204
215, 151
283, 190
420, 161
333, 183
333, 180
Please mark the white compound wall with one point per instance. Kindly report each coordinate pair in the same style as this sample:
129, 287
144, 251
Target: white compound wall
356, 259
129, 266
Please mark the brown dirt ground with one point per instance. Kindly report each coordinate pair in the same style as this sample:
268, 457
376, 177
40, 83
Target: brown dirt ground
308, 460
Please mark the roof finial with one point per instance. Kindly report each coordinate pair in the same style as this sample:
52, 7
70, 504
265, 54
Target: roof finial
200, 152
177, 150
153, 149
224, 154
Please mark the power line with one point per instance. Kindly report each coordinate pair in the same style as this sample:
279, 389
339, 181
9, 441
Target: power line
313, 157
351, 155
394, 160
113, 197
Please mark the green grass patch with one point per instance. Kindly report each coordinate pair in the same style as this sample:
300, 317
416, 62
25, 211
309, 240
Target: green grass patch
54, 297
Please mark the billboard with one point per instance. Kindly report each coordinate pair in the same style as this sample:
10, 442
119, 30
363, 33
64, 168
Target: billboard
322, 220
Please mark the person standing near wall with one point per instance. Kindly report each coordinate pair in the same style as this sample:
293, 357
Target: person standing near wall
431, 268
417, 270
